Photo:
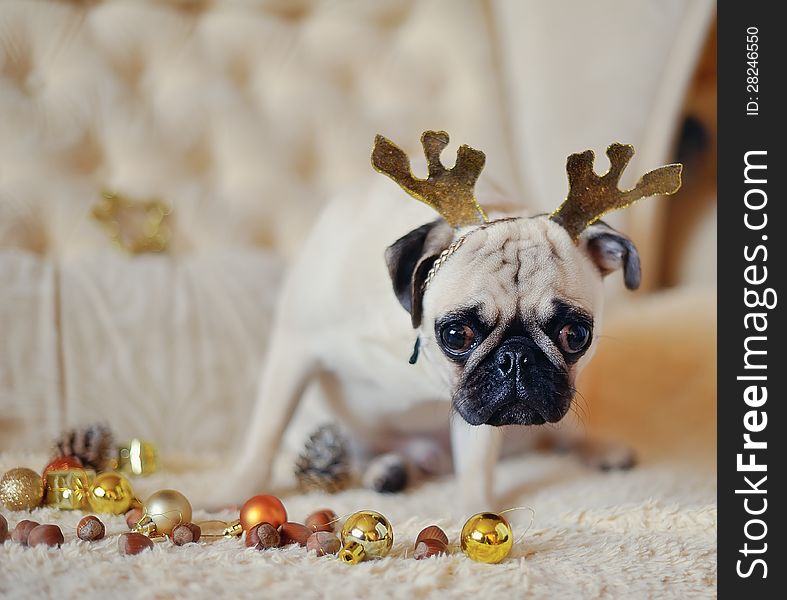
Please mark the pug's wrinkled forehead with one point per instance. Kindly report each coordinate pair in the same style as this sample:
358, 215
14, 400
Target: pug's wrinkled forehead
514, 268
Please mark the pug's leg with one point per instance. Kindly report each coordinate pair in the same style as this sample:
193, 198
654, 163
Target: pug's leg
288, 370
387, 473
605, 455
475, 453
599, 453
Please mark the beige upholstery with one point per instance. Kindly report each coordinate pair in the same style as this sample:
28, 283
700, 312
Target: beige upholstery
245, 117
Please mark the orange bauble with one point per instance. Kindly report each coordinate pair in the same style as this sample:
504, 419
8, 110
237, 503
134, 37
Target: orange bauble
262, 509
62, 463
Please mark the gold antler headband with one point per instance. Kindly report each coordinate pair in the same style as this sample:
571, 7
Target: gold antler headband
448, 191
591, 196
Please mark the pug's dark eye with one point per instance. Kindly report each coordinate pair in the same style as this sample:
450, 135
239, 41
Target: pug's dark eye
573, 337
458, 337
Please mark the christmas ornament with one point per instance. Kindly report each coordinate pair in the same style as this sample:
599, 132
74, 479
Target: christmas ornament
91, 444
21, 489
69, 489
137, 457
61, 463
163, 511
324, 463
448, 191
262, 509
366, 534
3, 529
487, 537
135, 226
110, 493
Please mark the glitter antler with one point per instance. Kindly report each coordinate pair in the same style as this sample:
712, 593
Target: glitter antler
448, 191
591, 196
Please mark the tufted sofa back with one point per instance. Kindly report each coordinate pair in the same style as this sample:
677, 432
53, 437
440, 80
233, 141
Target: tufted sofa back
243, 116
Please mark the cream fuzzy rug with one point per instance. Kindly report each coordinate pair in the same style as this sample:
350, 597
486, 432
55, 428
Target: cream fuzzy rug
650, 532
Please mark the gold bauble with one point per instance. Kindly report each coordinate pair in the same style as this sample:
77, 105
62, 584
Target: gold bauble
110, 493
163, 511
138, 457
21, 489
487, 538
366, 534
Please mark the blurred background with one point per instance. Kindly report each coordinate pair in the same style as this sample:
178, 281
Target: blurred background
220, 129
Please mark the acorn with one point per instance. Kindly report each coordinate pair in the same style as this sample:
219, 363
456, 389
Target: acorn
90, 529
293, 533
133, 516
262, 537
433, 532
133, 543
429, 547
322, 520
185, 533
47, 535
22, 531
323, 542
3, 529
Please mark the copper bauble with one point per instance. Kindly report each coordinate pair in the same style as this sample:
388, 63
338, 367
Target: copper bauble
262, 509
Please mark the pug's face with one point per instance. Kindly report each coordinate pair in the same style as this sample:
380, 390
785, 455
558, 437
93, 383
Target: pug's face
510, 315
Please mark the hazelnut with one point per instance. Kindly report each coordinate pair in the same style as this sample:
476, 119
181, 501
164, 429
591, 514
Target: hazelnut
90, 529
262, 537
323, 542
185, 533
433, 532
47, 535
133, 516
322, 520
3, 529
133, 543
293, 533
429, 547
22, 531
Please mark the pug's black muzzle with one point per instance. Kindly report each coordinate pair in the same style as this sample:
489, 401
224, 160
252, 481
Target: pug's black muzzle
515, 384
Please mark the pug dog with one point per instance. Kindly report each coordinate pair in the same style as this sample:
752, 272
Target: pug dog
470, 328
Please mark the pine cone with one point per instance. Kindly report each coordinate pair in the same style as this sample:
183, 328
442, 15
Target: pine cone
324, 463
92, 444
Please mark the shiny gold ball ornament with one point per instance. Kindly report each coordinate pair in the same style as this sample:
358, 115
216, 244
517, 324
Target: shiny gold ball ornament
21, 489
262, 509
110, 493
163, 511
366, 534
487, 537
138, 457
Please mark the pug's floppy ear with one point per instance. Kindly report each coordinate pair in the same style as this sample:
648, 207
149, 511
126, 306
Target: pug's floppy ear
610, 250
409, 259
